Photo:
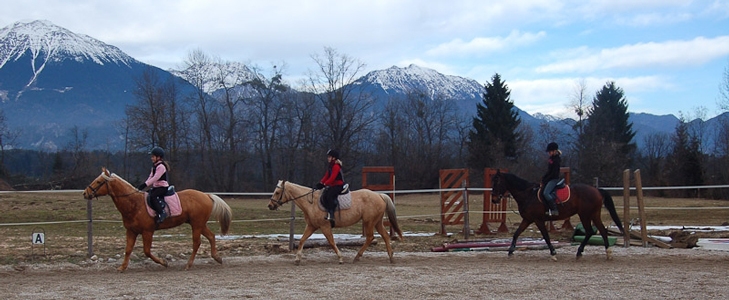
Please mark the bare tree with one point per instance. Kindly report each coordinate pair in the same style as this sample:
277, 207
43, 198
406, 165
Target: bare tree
656, 148
724, 90
578, 102
347, 109
268, 107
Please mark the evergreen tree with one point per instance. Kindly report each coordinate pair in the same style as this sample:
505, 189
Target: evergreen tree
494, 134
685, 159
606, 145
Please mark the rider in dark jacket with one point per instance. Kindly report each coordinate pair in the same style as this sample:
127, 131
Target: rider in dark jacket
550, 179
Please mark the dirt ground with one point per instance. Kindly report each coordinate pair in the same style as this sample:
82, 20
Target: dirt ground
635, 272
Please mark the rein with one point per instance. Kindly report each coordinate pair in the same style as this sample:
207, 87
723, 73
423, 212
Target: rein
280, 201
111, 193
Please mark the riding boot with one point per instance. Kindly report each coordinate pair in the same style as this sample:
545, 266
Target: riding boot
551, 202
161, 213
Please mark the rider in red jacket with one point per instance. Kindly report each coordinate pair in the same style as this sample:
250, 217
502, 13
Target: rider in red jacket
332, 183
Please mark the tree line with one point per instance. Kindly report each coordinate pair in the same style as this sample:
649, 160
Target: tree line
241, 128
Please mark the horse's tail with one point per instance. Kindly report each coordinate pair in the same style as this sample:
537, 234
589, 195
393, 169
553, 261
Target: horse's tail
392, 215
610, 205
222, 213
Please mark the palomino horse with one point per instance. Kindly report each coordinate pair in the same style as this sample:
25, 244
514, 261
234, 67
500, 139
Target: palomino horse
197, 208
585, 201
367, 206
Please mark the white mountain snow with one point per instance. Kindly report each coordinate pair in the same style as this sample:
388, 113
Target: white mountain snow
48, 43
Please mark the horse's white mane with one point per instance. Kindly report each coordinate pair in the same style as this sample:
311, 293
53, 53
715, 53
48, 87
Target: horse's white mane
114, 177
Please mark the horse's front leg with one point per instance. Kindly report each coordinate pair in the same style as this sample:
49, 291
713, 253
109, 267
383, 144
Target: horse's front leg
545, 235
327, 231
308, 231
147, 241
131, 240
518, 232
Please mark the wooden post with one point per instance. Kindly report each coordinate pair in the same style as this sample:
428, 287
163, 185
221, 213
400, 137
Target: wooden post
641, 208
626, 208
466, 227
291, 226
89, 228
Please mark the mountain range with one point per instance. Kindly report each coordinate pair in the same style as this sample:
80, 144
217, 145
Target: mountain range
53, 80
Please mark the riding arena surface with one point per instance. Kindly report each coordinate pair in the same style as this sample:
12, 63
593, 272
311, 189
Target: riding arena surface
635, 272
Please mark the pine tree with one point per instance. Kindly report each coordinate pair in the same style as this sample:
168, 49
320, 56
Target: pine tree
494, 134
685, 166
606, 145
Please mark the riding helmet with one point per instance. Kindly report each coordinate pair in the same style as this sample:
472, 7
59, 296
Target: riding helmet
552, 146
333, 153
157, 151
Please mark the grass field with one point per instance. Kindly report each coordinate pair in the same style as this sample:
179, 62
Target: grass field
417, 213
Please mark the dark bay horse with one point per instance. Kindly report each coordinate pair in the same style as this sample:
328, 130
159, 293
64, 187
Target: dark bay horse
367, 206
585, 201
197, 208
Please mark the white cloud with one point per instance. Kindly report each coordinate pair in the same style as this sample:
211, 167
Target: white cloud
668, 54
484, 45
554, 96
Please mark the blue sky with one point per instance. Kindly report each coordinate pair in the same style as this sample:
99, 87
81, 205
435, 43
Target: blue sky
669, 56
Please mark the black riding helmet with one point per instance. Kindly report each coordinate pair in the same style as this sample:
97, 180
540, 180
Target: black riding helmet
333, 153
157, 151
552, 146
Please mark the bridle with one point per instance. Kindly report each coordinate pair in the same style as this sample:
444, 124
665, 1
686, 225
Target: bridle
280, 201
106, 182
96, 189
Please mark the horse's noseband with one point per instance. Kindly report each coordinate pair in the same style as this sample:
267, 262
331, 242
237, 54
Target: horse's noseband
96, 189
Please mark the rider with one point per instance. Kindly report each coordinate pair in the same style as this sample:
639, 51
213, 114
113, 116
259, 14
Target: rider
550, 179
332, 183
158, 181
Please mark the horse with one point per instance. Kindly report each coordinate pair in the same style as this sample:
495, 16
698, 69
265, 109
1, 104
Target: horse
585, 201
367, 206
197, 208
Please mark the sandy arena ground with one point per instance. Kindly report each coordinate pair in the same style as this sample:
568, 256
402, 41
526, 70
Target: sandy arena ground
635, 272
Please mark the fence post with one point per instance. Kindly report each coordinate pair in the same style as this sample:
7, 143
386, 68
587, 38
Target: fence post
641, 207
466, 227
90, 228
291, 226
626, 208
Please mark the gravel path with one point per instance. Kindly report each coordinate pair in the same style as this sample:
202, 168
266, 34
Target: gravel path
636, 272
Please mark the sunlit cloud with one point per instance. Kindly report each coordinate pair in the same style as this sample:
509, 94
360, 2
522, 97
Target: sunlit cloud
668, 54
483, 45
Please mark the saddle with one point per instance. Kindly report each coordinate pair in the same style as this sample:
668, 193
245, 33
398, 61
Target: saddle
344, 200
173, 208
562, 190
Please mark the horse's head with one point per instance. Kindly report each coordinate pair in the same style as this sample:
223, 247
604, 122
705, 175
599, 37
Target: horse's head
498, 187
98, 187
277, 199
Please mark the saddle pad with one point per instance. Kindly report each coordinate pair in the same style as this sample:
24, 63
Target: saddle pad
563, 194
345, 202
174, 208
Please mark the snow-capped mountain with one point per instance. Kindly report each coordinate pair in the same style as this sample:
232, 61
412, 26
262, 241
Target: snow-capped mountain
52, 79
395, 80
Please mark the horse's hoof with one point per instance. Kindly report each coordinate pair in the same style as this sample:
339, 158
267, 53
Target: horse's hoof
609, 253
164, 263
392, 260
554, 257
341, 261
356, 259
121, 269
297, 262
218, 259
